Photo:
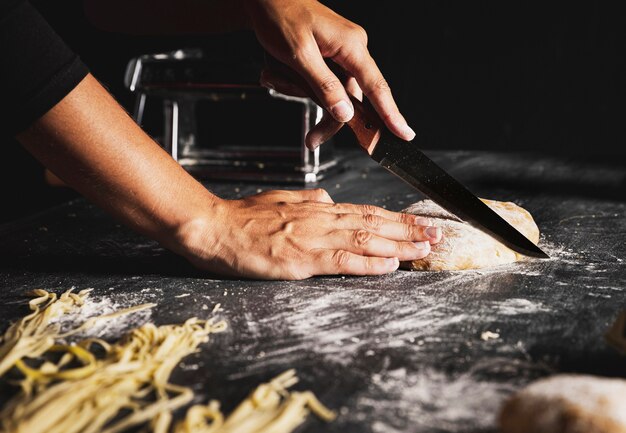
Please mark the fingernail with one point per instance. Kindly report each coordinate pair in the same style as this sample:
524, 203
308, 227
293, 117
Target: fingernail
408, 132
421, 245
433, 233
312, 145
342, 111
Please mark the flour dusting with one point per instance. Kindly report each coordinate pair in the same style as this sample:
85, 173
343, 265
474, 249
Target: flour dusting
430, 399
98, 305
515, 306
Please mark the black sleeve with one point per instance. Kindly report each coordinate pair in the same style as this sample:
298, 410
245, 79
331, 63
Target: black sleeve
37, 68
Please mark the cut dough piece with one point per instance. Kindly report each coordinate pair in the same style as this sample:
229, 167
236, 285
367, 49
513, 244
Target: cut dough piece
463, 246
567, 404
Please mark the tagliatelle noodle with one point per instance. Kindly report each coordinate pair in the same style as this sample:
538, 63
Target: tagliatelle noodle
129, 386
36, 333
270, 408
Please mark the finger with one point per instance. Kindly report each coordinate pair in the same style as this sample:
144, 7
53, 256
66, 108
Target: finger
365, 243
276, 81
367, 209
324, 83
328, 126
332, 262
360, 64
317, 196
322, 132
388, 229
352, 86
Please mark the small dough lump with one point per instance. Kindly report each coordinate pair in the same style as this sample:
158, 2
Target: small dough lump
465, 247
567, 403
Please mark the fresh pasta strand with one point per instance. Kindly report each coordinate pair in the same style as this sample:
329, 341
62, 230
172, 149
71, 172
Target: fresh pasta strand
270, 408
36, 333
128, 384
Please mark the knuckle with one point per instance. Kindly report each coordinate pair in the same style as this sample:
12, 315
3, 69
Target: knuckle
406, 218
372, 221
339, 217
402, 247
329, 84
359, 33
355, 37
354, 31
381, 84
321, 193
368, 209
360, 238
340, 259
410, 232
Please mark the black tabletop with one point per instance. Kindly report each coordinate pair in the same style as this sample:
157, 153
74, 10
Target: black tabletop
406, 352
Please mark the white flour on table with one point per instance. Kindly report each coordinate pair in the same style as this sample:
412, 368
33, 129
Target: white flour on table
98, 305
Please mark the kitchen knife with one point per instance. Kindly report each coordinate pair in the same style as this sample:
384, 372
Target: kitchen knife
405, 160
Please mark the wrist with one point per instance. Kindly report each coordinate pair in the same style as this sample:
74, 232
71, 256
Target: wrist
198, 237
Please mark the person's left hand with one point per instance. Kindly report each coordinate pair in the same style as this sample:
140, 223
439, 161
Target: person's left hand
301, 34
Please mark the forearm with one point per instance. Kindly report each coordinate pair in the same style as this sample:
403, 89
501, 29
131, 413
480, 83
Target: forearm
90, 142
167, 17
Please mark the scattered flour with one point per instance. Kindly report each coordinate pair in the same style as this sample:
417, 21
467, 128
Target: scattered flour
342, 325
429, 400
515, 306
356, 329
96, 305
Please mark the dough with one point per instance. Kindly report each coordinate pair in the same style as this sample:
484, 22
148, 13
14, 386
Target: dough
567, 404
463, 246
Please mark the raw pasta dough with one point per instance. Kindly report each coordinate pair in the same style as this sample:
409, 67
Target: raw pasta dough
463, 246
567, 403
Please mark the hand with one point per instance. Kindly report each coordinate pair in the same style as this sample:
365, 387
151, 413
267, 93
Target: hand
301, 34
295, 235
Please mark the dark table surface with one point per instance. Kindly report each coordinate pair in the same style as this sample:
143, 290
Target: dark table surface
407, 352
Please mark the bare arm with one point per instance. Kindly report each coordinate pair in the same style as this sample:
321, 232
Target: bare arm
90, 142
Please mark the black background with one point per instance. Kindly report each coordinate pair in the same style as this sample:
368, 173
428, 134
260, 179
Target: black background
471, 75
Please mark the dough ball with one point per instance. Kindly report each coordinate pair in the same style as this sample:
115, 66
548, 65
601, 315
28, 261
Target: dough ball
463, 246
567, 404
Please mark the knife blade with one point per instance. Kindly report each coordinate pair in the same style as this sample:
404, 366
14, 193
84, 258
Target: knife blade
405, 160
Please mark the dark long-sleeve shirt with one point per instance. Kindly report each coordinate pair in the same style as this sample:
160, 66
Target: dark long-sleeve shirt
37, 68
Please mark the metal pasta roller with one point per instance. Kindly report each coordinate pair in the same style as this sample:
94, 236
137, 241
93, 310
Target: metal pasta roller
214, 118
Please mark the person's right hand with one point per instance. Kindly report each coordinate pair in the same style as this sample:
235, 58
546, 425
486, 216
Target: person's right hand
303, 34
294, 235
